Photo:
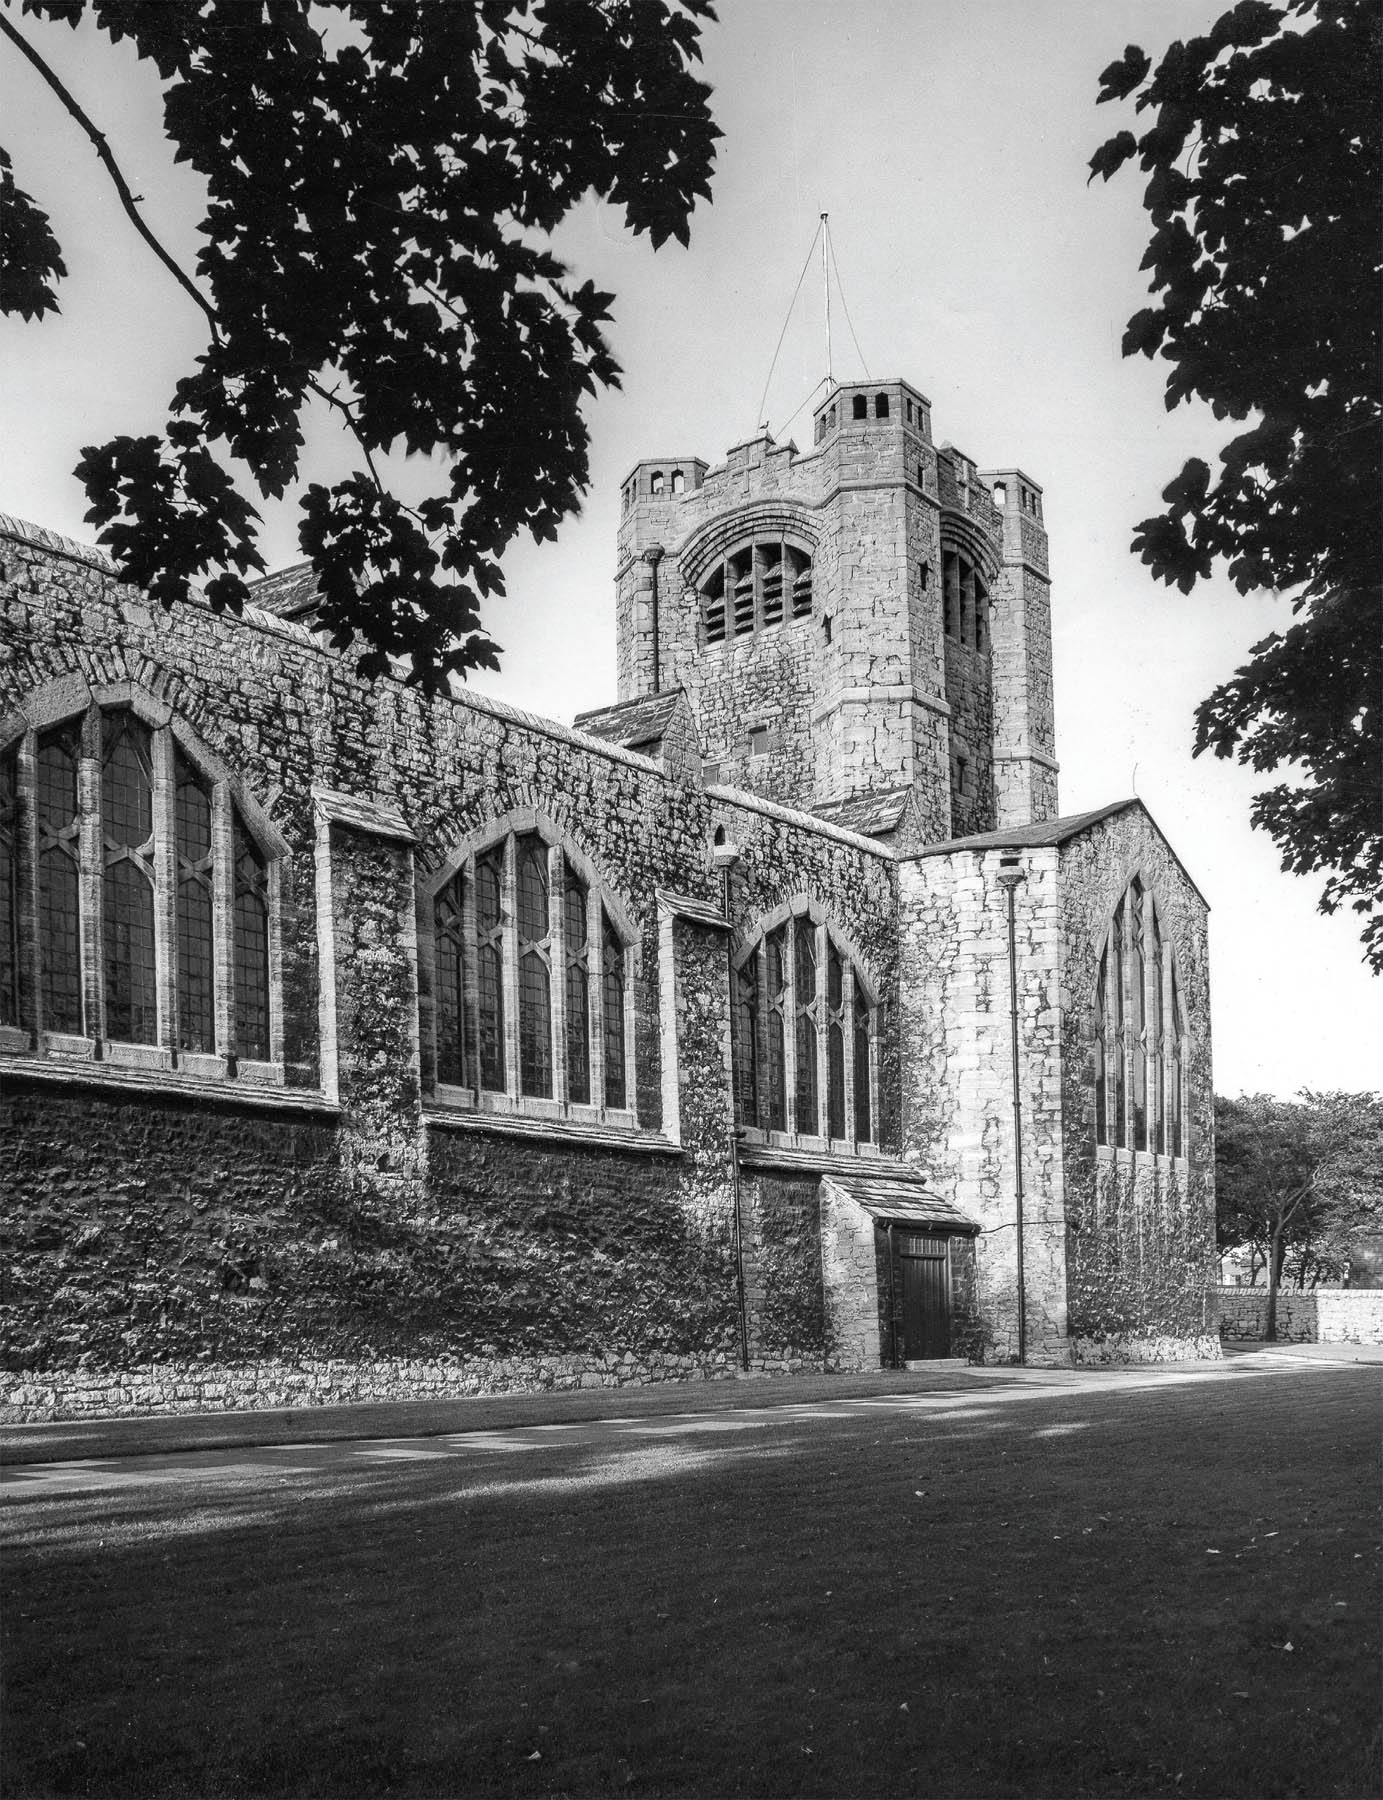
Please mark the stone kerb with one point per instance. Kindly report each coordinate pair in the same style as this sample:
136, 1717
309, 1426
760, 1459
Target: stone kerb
1316, 1316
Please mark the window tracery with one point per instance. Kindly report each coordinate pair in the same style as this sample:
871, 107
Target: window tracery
531, 997
1140, 1033
138, 909
803, 1034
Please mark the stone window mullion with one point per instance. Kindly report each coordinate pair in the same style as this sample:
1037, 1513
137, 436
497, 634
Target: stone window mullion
848, 1034
557, 970
165, 869
91, 876
595, 964
509, 911
470, 981
821, 1013
30, 949
223, 914
790, 1029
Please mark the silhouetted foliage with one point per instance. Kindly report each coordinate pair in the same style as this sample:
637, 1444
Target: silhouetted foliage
381, 176
1298, 1177
1263, 153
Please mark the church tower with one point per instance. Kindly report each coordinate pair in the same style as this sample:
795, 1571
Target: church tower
868, 619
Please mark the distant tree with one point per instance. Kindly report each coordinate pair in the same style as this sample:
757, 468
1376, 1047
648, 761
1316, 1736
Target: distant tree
381, 178
1265, 192
1297, 1179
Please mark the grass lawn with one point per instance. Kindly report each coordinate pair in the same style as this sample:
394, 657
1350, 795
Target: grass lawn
1167, 1591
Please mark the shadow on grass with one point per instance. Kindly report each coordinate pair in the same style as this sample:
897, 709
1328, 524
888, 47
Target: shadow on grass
1077, 1595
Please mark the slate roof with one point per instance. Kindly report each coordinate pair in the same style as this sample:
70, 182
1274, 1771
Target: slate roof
631, 723
870, 814
1040, 836
904, 1202
287, 593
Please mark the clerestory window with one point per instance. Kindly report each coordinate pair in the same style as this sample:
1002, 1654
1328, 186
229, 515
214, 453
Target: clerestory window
755, 588
804, 1035
528, 955
138, 907
1140, 1033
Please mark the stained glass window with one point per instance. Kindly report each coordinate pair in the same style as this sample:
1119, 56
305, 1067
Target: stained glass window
835, 1042
776, 972
251, 949
1138, 1032
448, 921
535, 984
612, 961
782, 986
122, 896
9, 889
863, 1123
59, 884
489, 886
578, 994
196, 953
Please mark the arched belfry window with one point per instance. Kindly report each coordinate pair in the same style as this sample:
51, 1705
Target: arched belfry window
754, 588
1140, 1033
139, 903
525, 958
804, 1032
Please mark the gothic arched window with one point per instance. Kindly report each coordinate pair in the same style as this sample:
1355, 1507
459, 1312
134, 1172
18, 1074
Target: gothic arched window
526, 953
803, 1033
138, 906
1140, 1033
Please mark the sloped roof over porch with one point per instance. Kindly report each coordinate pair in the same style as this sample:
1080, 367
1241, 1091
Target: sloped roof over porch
895, 1200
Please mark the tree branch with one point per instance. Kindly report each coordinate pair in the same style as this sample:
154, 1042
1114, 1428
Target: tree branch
127, 199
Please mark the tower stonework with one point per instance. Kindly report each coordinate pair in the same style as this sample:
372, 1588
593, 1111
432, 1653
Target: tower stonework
857, 620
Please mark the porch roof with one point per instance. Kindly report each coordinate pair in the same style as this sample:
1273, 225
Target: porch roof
900, 1201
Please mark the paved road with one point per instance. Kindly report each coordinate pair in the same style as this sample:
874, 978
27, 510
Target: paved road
992, 1395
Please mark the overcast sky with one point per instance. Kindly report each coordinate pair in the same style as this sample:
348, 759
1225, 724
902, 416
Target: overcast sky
948, 140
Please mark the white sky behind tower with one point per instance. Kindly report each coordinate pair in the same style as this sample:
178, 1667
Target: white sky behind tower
948, 140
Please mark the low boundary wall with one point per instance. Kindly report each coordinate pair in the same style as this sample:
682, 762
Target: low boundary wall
1310, 1316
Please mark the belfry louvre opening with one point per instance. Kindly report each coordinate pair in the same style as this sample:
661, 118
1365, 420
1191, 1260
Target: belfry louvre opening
754, 588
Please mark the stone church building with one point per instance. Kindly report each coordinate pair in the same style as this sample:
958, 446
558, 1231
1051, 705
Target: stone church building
354, 1043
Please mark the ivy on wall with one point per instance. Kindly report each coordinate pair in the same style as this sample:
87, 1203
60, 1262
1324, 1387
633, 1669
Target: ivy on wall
1139, 1262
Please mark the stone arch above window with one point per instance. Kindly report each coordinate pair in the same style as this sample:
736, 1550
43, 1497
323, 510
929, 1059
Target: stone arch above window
805, 1033
140, 891
1140, 1034
754, 586
527, 969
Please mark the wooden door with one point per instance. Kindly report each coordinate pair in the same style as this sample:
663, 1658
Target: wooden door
924, 1295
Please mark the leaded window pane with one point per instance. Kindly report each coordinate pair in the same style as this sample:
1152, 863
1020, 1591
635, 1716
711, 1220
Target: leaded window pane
804, 967
127, 900
574, 917
127, 903
535, 980
1137, 976
59, 890
775, 963
9, 889
1101, 1067
535, 1026
835, 1059
1118, 1045
251, 948
196, 979
747, 1014
612, 954
863, 1124
448, 924
490, 968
